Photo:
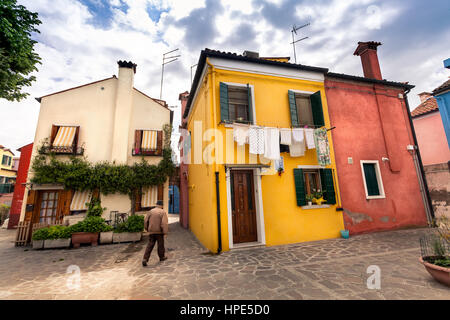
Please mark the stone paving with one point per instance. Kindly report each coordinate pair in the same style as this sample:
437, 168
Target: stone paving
327, 269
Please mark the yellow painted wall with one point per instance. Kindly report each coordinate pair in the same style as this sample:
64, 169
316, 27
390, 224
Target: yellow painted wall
285, 222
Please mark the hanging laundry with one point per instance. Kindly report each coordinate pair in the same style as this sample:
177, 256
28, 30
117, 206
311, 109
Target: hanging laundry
298, 135
272, 143
297, 148
256, 140
309, 135
322, 146
240, 134
286, 136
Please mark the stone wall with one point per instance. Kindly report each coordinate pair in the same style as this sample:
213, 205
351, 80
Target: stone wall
438, 179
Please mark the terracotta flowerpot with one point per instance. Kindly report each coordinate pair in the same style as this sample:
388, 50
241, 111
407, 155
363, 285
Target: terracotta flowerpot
84, 237
440, 274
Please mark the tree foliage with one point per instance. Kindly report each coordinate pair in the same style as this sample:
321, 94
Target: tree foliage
17, 57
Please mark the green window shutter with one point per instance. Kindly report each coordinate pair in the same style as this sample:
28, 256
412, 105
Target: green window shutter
224, 113
326, 177
371, 179
250, 106
293, 108
317, 110
300, 187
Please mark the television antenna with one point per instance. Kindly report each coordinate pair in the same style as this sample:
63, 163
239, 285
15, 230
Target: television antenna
193, 66
165, 61
294, 30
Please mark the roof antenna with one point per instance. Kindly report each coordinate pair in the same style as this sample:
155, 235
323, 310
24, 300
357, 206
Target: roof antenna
164, 62
294, 30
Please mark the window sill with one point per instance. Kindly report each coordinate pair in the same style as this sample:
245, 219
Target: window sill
323, 206
375, 197
229, 124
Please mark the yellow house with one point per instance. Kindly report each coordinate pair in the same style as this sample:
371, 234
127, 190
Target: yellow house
240, 198
7, 172
107, 120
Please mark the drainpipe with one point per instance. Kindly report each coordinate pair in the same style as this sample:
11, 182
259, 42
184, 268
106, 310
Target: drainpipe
219, 249
219, 228
428, 203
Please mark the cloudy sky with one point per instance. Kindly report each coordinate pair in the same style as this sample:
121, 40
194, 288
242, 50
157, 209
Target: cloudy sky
80, 42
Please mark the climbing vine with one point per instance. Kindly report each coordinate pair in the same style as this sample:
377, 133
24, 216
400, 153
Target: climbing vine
77, 173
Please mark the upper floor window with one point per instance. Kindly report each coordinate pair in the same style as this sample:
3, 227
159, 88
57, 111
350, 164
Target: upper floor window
306, 109
148, 142
236, 103
6, 160
64, 140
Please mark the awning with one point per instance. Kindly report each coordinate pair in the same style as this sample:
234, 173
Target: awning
64, 137
149, 196
79, 200
149, 139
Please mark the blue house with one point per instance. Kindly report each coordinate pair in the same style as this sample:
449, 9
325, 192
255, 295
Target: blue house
442, 95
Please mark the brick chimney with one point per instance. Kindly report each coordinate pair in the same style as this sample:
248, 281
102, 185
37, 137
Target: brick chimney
424, 96
369, 58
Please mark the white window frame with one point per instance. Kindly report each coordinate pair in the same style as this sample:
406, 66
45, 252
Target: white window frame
379, 179
252, 88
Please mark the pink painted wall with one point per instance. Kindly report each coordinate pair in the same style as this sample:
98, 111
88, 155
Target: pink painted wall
184, 169
371, 123
431, 139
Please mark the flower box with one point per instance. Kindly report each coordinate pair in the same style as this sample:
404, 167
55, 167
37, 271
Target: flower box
84, 237
440, 274
106, 237
56, 243
38, 244
126, 237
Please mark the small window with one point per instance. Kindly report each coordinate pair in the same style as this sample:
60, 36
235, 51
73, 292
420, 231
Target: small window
64, 139
6, 160
304, 111
238, 104
373, 184
148, 142
312, 181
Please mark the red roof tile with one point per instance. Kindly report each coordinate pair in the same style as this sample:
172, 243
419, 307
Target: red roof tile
445, 86
425, 107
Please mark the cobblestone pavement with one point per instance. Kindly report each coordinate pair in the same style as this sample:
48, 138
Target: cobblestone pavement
328, 269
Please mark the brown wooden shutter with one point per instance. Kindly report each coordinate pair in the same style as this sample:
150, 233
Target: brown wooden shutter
31, 205
53, 134
68, 194
159, 140
137, 141
161, 192
75, 139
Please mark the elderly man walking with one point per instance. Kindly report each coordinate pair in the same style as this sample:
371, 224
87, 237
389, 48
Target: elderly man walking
157, 224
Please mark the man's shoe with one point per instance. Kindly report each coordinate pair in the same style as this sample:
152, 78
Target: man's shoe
144, 263
163, 258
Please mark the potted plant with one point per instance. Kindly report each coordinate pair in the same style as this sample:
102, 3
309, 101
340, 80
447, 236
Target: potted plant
57, 237
309, 198
106, 235
130, 230
436, 252
39, 237
87, 231
318, 197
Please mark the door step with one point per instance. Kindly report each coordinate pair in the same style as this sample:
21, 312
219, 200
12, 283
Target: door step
247, 245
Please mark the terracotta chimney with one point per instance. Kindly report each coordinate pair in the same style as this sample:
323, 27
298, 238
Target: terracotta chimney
183, 97
369, 58
424, 96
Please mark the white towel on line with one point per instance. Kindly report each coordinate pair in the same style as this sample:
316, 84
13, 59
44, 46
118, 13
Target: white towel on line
309, 135
256, 140
272, 143
240, 134
298, 135
286, 136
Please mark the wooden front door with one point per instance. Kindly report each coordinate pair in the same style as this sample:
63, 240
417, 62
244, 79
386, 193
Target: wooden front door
243, 206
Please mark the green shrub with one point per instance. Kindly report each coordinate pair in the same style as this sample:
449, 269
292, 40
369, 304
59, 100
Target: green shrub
133, 224
40, 234
53, 232
91, 224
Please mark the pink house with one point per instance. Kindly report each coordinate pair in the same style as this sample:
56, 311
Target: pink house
184, 198
378, 166
435, 152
